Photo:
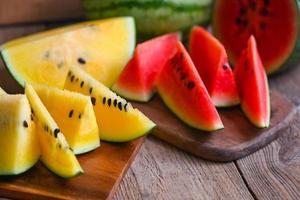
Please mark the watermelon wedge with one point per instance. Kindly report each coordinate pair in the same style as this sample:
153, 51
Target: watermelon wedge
211, 61
183, 91
253, 86
137, 80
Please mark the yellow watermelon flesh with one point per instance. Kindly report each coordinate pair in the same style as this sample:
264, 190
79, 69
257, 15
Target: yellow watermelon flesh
117, 120
19, 147
102, 48
55, 151
74, 114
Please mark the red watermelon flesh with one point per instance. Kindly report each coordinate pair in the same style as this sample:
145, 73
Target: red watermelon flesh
183, 91
211, 61
274, 24
253, 86
137, 80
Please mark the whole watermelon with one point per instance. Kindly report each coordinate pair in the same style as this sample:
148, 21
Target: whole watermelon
153, 17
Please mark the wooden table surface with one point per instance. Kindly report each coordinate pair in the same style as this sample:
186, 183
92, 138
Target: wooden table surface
161, 171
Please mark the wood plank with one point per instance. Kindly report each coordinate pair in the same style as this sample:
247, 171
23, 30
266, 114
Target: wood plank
104, 169
288, 83
161, 171
24, 11
239, 137
274, 172
11, 32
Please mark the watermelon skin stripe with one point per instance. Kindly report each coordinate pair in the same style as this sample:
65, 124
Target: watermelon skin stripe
154, 21
92, 5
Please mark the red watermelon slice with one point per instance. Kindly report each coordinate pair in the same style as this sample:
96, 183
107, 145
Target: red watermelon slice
253, 86
211, 61
183, 91
137, 80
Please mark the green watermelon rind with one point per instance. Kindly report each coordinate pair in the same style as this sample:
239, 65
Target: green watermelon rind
156, 18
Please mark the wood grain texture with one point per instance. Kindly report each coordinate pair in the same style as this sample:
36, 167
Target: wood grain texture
28, 11
274, 172
103, 170
161, 171
288, 83
239, 137
8, 33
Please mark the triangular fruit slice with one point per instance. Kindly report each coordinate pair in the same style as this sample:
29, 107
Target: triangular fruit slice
100, 47
74, 114
56, 153
137, 80
183, 91
19, 146
211, 61
117, 120
253, 86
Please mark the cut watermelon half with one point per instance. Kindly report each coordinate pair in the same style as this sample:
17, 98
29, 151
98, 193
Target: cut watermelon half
211, 61
183, 91
253, 86
138, 78
275, 24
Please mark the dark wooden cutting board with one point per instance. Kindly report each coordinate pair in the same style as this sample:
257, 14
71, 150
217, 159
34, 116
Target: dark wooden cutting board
103, 170
238, 139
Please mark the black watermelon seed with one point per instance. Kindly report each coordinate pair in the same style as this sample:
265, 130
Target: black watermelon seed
178, 69
104, 100
238, 21
225, 66
56, 131
91, 90
79, 116
120, 105
72, 78
47, 54
109, 101
190, 85
252, 5
70, 149
69, 73
245, 22
243, 11
125, 107
82, 83
71, 113
183, 76
59, 146
60, 65
262, 25
81, 61
31, 117
266, 2
93, 99
264, 12
115, 102
25, 124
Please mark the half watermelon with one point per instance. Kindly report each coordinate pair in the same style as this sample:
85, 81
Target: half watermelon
253, 86
137, 80
211, 61
183, 91
274, 23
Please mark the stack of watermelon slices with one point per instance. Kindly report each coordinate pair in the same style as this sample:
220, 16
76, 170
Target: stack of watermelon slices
191, 85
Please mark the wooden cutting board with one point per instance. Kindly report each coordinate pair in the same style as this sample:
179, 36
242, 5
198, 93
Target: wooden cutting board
104, 168
238, 139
